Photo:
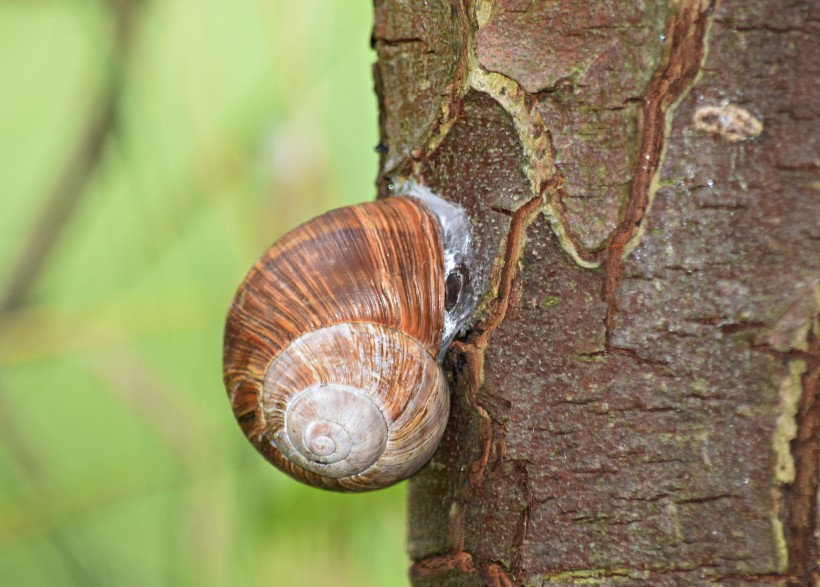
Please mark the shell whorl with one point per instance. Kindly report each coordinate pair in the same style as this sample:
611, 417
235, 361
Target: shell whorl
331, 345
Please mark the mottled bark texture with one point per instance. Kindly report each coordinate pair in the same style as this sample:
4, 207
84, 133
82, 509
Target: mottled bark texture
638, 404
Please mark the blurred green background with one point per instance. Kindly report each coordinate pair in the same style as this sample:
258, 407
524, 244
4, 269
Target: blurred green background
149, 152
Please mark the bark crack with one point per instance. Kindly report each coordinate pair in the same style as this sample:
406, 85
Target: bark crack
495, 575
804, 551
471, 355
687, 32
473, 349
794, 339
522, 526
536, 143
436, 565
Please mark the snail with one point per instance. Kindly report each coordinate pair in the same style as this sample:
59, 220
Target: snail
334, 341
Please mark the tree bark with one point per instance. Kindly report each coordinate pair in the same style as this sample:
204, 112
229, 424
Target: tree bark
638, 402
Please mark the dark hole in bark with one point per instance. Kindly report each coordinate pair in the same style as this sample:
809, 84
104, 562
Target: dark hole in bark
454, 285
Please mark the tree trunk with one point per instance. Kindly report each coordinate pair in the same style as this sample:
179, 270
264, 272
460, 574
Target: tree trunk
638, 403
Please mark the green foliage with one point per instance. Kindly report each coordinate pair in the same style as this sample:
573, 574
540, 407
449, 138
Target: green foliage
120, 462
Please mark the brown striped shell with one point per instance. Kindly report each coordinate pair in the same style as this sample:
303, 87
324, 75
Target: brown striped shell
331, 344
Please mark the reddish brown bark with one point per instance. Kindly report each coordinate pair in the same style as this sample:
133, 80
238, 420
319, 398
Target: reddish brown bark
638, 402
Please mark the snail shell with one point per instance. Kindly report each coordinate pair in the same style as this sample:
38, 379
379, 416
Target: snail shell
332, 341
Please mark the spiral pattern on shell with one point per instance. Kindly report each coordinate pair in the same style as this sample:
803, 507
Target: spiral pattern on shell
331, 344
